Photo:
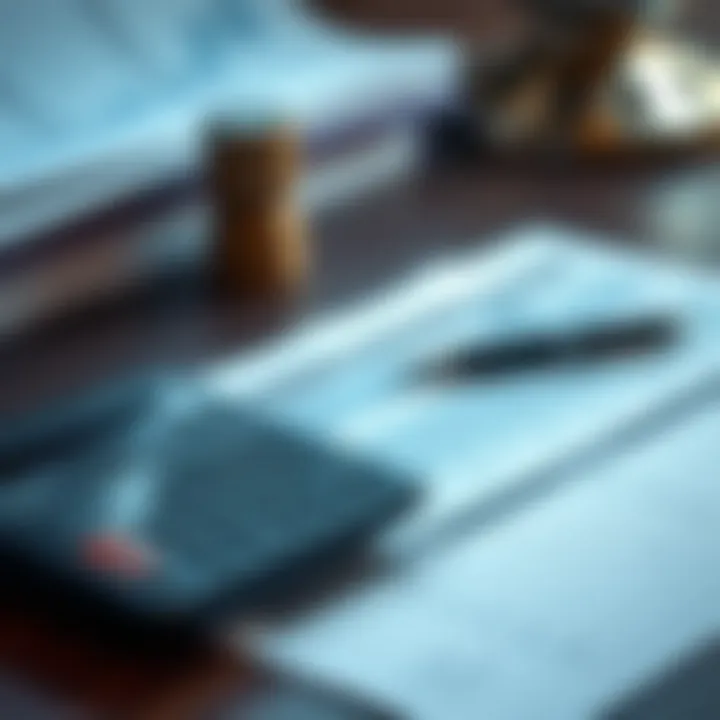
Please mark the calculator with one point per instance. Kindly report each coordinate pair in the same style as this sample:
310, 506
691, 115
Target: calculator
177, 512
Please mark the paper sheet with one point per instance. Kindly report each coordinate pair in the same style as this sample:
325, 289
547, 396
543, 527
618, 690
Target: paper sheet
557, 613
571, 592
346, 378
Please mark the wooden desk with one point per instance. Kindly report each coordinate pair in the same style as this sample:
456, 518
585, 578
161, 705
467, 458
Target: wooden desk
358, 247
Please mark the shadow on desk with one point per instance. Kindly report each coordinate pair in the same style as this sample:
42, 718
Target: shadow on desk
689, 691
57, 672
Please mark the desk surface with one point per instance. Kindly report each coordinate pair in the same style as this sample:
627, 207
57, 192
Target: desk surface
357, 247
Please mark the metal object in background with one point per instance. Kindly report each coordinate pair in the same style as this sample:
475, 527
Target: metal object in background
260, 244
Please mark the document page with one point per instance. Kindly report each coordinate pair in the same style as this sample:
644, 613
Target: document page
353, 378
559, 610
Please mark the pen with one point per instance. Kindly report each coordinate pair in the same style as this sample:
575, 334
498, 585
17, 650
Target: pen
596, 343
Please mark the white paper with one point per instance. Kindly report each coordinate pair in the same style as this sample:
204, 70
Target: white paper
347, 378
578, 582
556, 613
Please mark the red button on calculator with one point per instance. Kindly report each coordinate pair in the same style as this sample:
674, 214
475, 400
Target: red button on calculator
118, 555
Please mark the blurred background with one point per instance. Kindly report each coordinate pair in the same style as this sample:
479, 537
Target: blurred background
106, 108
184, 180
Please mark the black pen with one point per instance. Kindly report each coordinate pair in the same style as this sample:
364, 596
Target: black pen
602, 341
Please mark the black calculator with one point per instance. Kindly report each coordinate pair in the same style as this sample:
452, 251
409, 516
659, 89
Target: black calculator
177, 508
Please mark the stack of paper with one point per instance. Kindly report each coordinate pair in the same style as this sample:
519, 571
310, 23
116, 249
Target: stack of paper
116, 92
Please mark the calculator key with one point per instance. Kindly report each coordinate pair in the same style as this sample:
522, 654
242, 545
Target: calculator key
119, 555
